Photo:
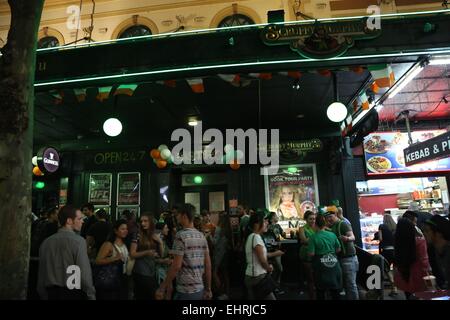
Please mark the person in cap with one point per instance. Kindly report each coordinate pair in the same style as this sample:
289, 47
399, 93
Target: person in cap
437, 232
347, 257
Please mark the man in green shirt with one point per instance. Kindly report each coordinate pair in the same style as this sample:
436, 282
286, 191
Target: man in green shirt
347, 258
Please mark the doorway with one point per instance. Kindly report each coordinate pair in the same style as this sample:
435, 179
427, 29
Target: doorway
211, 198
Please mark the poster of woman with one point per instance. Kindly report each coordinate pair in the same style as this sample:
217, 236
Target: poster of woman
292, 191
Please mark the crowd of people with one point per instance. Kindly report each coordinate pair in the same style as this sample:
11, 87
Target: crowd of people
180, 255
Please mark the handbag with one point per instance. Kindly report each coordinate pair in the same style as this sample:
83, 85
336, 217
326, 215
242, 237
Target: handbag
108, 276
266, 285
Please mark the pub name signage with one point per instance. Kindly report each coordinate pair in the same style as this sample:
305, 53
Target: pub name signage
319, 40
434, 148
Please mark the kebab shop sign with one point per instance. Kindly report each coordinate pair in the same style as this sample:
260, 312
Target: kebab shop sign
434, 148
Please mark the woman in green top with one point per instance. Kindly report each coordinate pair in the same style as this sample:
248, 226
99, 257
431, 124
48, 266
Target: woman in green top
323, 247
305, 233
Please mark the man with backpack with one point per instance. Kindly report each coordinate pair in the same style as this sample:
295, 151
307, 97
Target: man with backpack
347, 257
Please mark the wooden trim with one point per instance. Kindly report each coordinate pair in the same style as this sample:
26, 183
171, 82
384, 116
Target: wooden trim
351, 4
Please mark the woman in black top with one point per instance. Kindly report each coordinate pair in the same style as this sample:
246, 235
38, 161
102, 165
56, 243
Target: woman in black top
386, 232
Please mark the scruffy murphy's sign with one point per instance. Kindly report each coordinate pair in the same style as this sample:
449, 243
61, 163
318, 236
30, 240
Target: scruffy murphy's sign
434, 148
320, 40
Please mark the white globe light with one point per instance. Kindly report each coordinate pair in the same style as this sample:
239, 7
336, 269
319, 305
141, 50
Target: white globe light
112, 127
337, 112
34, 160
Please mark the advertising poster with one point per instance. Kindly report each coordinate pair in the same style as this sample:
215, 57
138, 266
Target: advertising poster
128, 188
100, 188
291, 192
384, 154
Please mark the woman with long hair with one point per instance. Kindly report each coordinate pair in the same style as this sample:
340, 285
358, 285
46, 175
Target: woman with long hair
286, 203
114, 252
163, 263
305, 234
145, 249
386, 232
256, 256
410, 259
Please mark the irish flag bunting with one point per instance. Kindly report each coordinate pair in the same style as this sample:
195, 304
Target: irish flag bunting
168, 83
363, 101
196, 85
127, 89
234, 79
80, 94
262, 76
383, 75
58, 95
103, 93
291, 74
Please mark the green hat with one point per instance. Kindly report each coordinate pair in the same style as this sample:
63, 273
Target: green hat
335, 203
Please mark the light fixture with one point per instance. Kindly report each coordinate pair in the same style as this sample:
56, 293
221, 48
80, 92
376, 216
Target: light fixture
337, 112
39, 185
112, 127
198, 180
193, 121
406, 79
439, 60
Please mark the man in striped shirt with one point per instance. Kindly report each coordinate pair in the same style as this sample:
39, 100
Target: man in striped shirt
191, 264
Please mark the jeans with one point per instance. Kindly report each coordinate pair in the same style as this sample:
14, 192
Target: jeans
350, 266
189, 296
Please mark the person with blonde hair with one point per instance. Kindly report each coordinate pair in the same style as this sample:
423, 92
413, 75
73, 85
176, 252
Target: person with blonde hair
287, 204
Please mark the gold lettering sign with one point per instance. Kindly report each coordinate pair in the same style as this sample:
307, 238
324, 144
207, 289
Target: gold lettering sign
319, 40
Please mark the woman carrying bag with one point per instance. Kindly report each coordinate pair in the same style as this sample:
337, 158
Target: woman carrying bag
110, 271
257, 274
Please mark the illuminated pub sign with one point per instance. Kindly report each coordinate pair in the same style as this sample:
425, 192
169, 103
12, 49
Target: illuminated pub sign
320, 40
385, 152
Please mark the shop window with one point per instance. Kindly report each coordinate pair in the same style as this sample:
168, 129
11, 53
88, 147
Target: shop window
48, 42
135, 31
235, 20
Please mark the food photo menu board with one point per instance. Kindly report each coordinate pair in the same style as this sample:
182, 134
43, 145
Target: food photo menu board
383, 153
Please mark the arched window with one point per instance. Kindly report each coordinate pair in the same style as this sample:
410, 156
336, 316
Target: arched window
136, 31
235, 20
48, 42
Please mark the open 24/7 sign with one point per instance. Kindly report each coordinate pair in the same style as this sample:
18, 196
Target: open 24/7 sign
434, 148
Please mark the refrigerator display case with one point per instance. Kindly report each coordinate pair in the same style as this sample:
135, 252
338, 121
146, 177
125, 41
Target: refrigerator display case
369, 226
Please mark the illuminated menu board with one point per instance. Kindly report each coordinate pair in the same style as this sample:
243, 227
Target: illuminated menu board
383, 153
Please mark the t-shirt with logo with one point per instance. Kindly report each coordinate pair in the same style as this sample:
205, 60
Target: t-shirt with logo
192, 245
323, 242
